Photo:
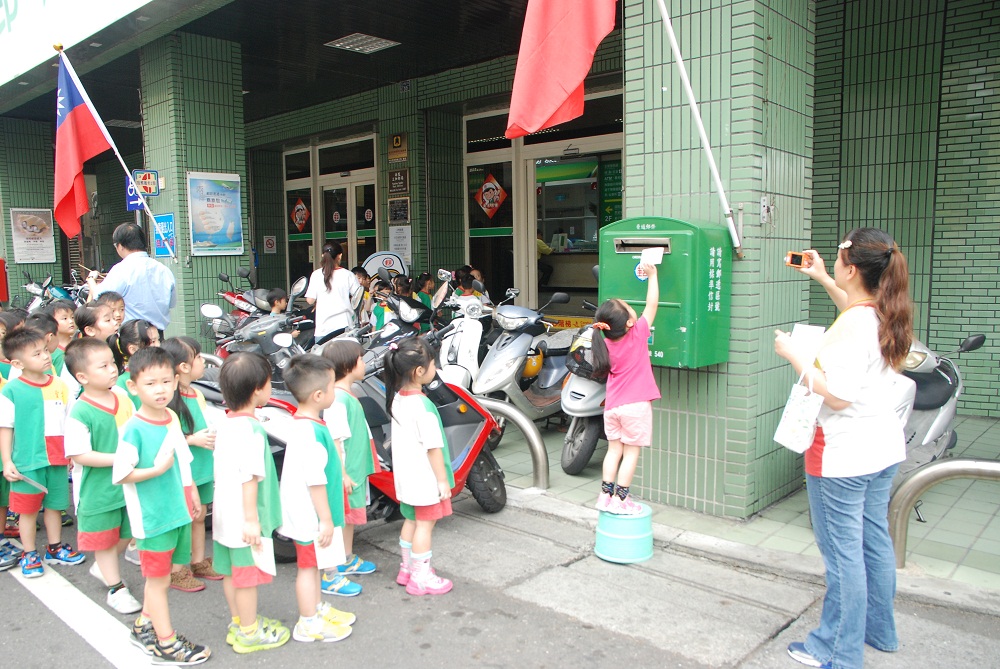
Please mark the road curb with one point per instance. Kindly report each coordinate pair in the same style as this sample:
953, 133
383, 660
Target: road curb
911, 583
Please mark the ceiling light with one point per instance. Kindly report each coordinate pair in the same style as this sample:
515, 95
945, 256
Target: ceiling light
142, 18
361, 43
96, 45
22, 83
119, 123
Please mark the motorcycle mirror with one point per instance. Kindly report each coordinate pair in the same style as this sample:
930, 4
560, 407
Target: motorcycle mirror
47, 282
596, 271
972, 343
384, 274
512, 292
209, 310
224, 278
559, 298
299, 287
243, 273
444, 275
478, 285
283, 339
26, 275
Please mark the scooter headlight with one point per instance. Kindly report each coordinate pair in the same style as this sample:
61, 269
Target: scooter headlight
408, 313
486, 383
474, 310
914, 359
508, 323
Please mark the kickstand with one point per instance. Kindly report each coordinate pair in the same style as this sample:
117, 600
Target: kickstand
916, 510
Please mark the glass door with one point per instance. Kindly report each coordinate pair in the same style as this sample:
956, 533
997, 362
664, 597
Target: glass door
349, 218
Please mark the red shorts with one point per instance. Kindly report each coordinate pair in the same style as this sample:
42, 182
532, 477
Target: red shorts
432, 512
305, 555
355, 516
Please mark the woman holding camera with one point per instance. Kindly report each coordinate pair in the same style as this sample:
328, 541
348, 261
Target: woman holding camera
858, 445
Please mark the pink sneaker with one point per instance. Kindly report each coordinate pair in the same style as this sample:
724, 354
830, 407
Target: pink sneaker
603, 501
403, 577
432, 584
624, 507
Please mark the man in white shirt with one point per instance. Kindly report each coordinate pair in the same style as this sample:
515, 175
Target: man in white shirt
148, 287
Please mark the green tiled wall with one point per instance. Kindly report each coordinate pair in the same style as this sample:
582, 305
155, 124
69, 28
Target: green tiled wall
268, 215
906, 140
445, 189
193, 109
27, 167
714, 451
967, 231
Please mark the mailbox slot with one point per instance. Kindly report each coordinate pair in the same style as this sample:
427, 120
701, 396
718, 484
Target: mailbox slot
633, 245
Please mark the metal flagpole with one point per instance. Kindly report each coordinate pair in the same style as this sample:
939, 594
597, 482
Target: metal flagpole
726, 210
107, 136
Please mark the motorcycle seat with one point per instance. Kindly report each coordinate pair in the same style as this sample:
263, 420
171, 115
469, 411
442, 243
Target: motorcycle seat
934, 389
554, 344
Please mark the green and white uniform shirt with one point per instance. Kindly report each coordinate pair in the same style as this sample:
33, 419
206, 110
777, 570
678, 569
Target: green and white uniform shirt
202, 466
417, 429
38, 421
156, 505
94, 428
346, 420
122, 378
242, 453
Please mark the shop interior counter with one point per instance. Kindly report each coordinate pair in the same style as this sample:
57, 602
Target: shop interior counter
571, 269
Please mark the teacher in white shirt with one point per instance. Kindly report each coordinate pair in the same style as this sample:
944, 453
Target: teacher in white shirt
332, 289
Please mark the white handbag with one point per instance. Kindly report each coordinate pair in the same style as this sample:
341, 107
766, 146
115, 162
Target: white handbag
797, 426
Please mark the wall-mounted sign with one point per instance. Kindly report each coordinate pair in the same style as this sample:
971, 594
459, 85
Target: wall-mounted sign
147, 181
399, 182
216, 214
399, 210
400, 241
34, 241
397, 148
270, 244
165, 236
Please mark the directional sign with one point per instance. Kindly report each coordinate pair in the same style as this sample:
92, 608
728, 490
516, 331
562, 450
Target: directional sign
147, 181
132, 201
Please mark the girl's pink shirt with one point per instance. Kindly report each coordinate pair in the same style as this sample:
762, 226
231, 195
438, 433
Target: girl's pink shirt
631, 377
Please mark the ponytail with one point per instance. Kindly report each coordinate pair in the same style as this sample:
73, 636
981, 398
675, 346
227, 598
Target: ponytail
611, 322
332, 251
886, 277
399, 362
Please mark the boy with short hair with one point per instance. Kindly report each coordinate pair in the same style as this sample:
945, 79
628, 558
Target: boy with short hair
91, 442
247, 502
149, 463
278, 299
33, 457
312, 497
117, 304
62, 312
360, 460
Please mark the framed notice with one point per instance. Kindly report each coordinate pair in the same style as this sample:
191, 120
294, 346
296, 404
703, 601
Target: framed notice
399, 182
34, 239
216, 214
399, 210
400, 241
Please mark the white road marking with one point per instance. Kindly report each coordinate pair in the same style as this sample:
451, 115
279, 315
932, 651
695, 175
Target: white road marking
105, 633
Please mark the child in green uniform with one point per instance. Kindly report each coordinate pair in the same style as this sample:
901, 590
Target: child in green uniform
117, 304
9, 553
91, 442
247, 505
34, 461
312, 500
134, 335
153, 465
62, 311
189, 405
359, 450
95, 321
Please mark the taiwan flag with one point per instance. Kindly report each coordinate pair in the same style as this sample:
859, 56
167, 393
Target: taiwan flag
557, 50
80, 135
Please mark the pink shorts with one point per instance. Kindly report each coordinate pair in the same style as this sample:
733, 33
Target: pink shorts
355, 516
631, 424
305, 555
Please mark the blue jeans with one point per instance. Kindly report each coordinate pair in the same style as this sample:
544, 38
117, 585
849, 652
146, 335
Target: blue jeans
850, 521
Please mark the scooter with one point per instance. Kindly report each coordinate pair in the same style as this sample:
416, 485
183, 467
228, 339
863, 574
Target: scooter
526, 366
929, 432
251, 302
582, 398
462, 349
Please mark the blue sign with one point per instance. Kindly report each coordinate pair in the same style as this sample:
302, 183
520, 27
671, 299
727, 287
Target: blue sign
132, 201
164, 236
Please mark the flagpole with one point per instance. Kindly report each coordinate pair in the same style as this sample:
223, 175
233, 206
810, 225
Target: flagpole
107, 136
726, 210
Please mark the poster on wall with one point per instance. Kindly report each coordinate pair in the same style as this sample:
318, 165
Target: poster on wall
215, 214
34, 240
165, 236
399, 210
400, 241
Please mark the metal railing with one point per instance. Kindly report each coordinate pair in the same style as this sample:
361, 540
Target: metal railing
917, 483
539, 456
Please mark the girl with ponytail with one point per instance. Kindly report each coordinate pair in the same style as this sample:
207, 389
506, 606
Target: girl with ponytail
331, 289
858, 445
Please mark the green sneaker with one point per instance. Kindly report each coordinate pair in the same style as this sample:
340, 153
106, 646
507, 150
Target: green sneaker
264, 638
234, 629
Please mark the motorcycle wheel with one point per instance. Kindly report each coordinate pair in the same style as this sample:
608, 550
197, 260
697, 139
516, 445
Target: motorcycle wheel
496, 435
486, 483
580, 443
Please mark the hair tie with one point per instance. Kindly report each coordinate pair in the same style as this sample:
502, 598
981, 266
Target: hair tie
393, 346
601, 325
888, 253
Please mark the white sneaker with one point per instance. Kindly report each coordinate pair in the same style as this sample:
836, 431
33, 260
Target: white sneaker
123, 602
95, 571
321, 630
132, 555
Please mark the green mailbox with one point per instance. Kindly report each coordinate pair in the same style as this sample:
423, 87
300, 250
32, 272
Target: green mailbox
691, 328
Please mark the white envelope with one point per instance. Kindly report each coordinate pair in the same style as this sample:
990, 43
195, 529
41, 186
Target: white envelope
807, 339
263, 556
332, 555
652, 255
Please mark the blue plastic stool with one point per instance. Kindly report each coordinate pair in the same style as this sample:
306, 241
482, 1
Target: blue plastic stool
625, 539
